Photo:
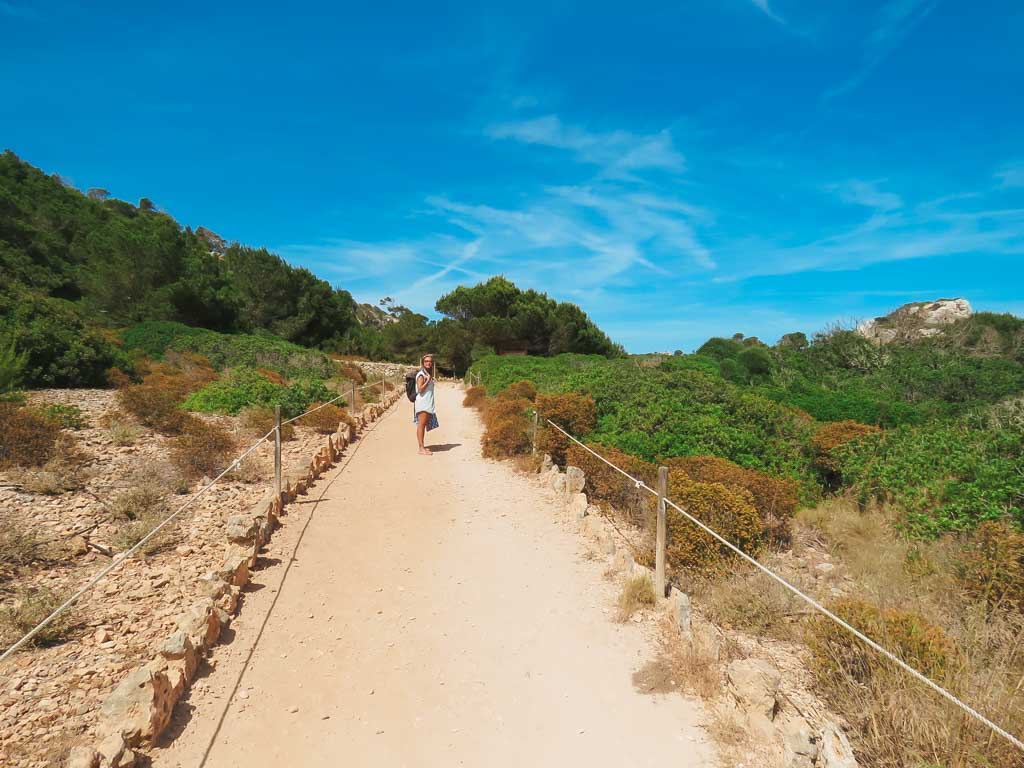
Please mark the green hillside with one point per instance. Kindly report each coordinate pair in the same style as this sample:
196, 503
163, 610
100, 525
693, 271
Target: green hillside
78, 267
935, 427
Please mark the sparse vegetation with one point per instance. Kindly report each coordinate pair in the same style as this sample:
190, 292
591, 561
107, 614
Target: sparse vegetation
325, 419
28, 607
637, 592
261, 420
28, 438
202, 449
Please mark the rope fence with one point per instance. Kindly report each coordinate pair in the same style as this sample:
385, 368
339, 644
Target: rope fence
920, 677
234, 465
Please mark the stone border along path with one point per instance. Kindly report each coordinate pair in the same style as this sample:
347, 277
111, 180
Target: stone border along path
432, 611
138, 711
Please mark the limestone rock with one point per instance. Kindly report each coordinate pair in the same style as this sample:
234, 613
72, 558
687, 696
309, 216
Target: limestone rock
623, 561
575, 479
178, 648
83, 757
138, 709
578, 505
916, 320
241, 529
798, 743
201, 623
754, 683
681, 610
235, 568
558, 483
835, 750
546, 464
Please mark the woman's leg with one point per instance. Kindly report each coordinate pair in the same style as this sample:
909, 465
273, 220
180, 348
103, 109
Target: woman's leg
421, 429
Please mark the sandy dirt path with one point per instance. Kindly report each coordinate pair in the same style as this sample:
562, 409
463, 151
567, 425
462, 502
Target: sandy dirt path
438, 611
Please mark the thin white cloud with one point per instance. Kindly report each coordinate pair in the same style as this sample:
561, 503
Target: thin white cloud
766, 9
867, 194
617, 152
895, 20
1011, 175
18, 11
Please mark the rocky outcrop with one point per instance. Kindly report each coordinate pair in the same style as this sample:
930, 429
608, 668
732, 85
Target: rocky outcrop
916, 320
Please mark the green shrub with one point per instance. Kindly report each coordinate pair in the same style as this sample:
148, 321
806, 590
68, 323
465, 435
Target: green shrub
945, 476
244, 387
224, 350
12, 365
60, 349
67, 416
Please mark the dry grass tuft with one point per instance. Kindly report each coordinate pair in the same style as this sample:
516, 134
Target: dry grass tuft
747, 600
202, 449
261, 420
63, 472
123, 431
326, 420
29, 607
637, 592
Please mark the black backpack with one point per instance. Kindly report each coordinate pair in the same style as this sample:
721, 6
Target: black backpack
410, 386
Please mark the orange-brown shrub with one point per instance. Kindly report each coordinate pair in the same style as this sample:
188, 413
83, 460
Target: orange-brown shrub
155, 401
194, 369
913, 638
27, 438
506, 428
272, 376
118, 378
475, 397
202, 448
991, 567
728, 511
507, 436
834, 435
573, 412
605, 484
325, 420
261, 420
520, 390
775, 497
352, 371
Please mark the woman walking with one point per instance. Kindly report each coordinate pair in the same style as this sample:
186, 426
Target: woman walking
424, 416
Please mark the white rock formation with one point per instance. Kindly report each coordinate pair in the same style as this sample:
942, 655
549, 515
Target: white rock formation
915, 320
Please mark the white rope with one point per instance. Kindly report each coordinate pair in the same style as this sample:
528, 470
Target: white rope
125, 555
813, 603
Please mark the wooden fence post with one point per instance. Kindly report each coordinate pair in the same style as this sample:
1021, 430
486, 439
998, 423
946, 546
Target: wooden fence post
277, 452
533, 435
659, 552
352, 403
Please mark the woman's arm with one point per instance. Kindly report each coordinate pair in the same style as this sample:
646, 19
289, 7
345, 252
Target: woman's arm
422, 380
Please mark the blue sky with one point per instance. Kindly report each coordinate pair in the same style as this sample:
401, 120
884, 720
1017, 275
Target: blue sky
678, 170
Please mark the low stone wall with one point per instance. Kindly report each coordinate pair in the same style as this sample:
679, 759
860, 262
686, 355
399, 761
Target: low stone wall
140, 708
754, 685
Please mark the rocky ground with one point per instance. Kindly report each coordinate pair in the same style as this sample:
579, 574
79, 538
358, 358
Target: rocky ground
50, 695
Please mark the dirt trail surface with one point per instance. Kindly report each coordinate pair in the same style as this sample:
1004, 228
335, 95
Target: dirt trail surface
437, 611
